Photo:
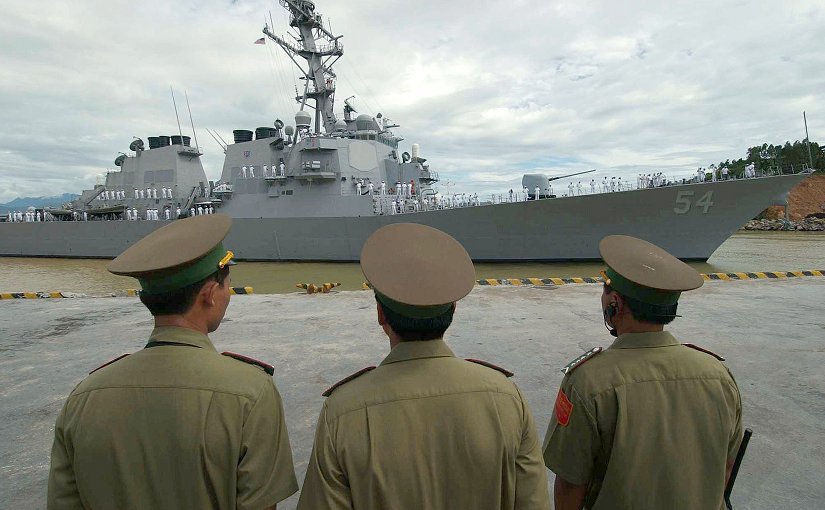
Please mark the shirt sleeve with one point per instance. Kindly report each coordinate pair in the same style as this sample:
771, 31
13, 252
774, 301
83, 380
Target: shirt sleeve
62, 491
572, 442
326, 486
531, 476
737, 429
266, 475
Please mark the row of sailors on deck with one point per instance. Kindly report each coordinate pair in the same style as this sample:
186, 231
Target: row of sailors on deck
402, 189
248, 172
154, 214
651, 181
25, 216
119, 194
400, 204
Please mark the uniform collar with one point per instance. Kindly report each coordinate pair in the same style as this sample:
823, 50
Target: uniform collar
176, 334
642, 340
417, 350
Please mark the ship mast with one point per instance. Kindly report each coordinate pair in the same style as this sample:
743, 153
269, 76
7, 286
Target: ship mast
317, 46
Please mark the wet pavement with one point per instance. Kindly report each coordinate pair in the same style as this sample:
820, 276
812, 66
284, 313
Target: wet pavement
772, 333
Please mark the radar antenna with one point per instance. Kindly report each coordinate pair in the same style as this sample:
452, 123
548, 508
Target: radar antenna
318, 46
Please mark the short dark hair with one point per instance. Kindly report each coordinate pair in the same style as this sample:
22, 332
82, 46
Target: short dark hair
412, 330
179, 301
646, 312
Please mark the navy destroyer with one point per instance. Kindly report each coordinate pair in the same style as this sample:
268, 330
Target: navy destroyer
317, 189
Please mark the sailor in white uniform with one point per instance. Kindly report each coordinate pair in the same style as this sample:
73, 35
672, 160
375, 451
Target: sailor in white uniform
612, 184
570, 190
579, 188
604, 185
383, 188
252, 172
191, 211
281, 168
167, 213
537, 191
358, 187
724, 173
370, 188
266, 171
85, 216
620, 185
243, 172
592, 185
177, 212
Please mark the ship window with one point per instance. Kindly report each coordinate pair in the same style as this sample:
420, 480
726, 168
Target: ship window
289, 192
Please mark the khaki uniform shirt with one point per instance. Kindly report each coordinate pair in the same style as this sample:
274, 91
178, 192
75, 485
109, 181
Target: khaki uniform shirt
176, 426
650, 424
426, 430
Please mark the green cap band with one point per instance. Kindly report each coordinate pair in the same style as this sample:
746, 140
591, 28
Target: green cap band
644, 294
179, 278
411, 311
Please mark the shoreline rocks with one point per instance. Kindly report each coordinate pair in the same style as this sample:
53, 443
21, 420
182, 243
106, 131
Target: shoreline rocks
804, 225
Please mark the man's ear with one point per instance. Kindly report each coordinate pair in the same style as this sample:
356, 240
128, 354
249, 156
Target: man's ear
208, 291
382, 319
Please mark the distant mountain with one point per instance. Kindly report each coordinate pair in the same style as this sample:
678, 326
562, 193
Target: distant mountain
20, 204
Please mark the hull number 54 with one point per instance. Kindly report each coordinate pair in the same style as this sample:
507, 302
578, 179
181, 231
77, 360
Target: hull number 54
684, 201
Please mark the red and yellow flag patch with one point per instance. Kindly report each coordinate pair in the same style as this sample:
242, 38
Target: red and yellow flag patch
564, 408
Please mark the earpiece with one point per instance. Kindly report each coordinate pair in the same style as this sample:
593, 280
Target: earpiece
611, 309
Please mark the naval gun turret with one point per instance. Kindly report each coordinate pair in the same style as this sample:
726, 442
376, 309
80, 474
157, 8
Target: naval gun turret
541, 181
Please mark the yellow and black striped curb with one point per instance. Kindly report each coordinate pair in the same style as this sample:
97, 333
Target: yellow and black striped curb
538, 282
772, 275
33, 295
127, 292
232, 290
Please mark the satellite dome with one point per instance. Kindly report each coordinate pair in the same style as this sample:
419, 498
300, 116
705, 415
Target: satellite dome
303, 119
341, 125
279, 124
289, 131
120, 159
136, 145
364, 122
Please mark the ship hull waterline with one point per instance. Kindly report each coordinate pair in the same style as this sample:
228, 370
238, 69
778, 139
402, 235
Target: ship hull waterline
691, 221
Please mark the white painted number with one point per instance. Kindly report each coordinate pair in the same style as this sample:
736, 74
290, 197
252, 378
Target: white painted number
705, 202
683, 203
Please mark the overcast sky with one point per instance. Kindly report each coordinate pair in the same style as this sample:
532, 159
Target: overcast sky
491, 90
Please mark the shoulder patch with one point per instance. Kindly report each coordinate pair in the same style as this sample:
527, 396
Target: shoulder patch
580, 360
702, 349
490, 365
109, 363
269, 369
347, 379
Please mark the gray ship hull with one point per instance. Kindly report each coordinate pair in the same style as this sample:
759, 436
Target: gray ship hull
691, 221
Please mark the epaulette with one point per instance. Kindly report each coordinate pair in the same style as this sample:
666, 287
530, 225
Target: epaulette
702, 349
345, 380
269, 369
490, 365
580, 360
109, 363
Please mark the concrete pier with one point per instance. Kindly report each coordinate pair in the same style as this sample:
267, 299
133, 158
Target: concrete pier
771, 332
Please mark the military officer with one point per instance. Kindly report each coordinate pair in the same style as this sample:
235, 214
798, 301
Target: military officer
176, 424
648, 423
423, 430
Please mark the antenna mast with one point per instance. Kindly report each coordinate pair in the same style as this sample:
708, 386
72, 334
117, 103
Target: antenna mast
318, 47
180, 132
194, 134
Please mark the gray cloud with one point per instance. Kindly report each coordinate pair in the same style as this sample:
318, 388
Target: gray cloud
490, 91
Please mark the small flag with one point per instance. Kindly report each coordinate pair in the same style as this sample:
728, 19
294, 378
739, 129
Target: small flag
260, 41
